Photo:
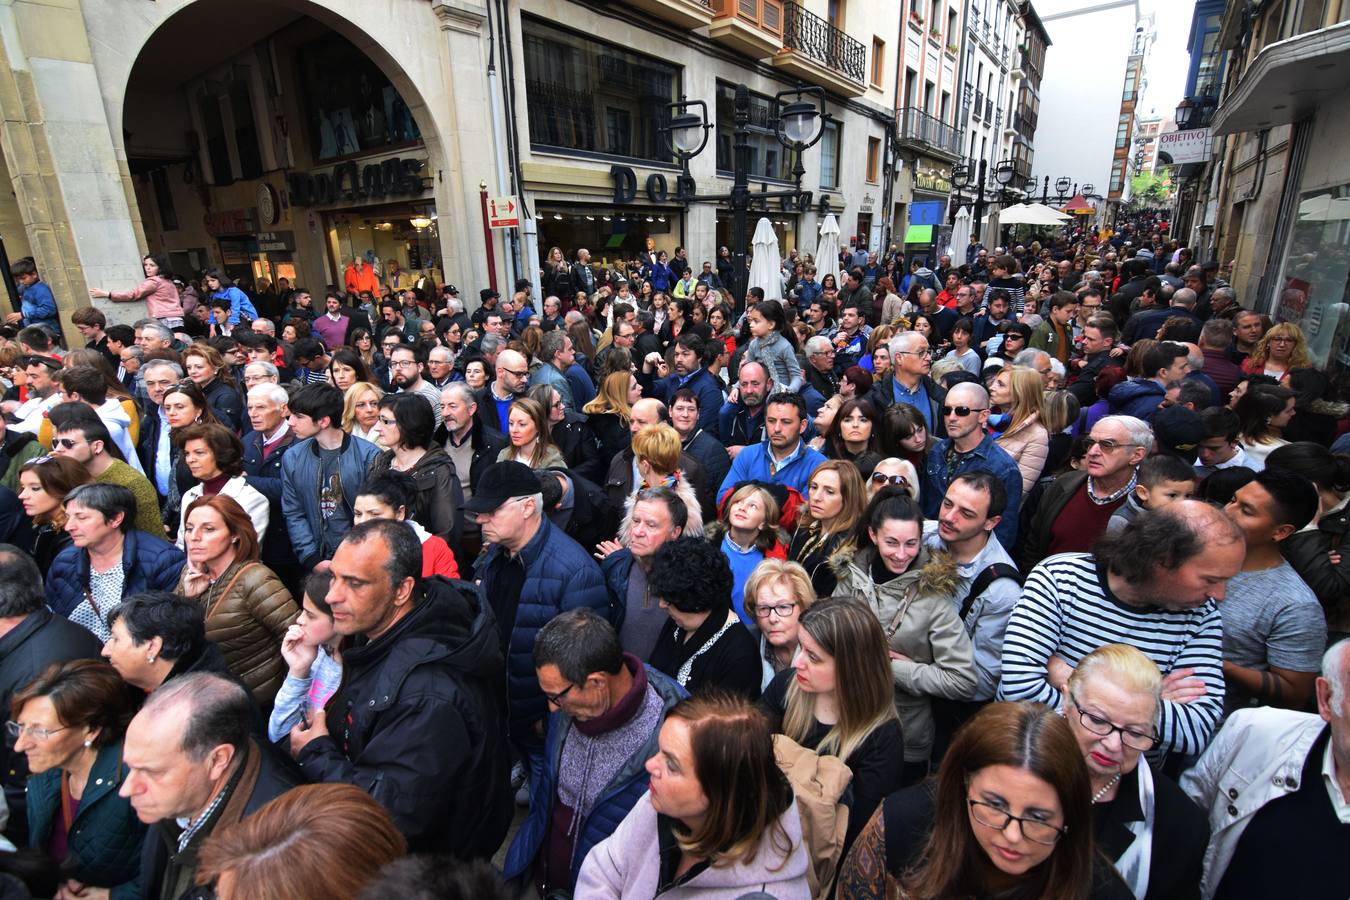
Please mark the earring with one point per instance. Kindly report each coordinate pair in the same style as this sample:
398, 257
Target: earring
89, 743
150, 659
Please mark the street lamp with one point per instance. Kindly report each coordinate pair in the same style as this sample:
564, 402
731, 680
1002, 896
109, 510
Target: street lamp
1183, 116
798, 124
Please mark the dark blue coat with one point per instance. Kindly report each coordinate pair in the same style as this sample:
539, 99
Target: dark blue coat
611, 806
559, 575
104, 843
264, 476
149, 563
1138, 397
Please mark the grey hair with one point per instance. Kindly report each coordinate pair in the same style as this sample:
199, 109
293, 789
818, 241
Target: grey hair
1058, 367
273, 392
902, 342
551, 344
454, 305
491, 343
166, 363
1334, 666
156, 326
1027, 359
439, 351
462, 389
219, 711
1223, 292
1185, 298
573, 317
136, 352
1141, 435
269, 370
20, 583
818, 344
267, 326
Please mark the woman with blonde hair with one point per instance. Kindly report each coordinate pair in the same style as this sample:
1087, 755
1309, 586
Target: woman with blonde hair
361, 410
747, 531
315, 840
529, 439
837, 499
656, 455
1017, 391
611, 410
776, 594
1283, 349
719, 820
837, 700
1144, 823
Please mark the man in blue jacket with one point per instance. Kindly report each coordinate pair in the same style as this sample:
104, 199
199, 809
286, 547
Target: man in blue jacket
607, 710
1140, 397
321, 473
531, 572
38, 304
690, 373
784, 458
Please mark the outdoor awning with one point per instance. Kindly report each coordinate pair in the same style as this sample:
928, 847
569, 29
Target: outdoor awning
919, 234
1289, 80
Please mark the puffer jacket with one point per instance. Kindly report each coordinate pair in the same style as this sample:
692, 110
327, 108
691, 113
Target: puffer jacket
105, 837
300, 490
226, 402
559, 575
439, 493
1138, 397
941, 661
614, 802
149, 563
417, 724
247, 612
1028, 444
1307, 550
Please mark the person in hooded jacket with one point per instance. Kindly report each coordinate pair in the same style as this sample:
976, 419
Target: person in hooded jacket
418, 719
408, 425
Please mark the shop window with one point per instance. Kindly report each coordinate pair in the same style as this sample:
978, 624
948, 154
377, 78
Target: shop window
350, 106
768, 158
873, 160
829, 155
1315, 281
586, 95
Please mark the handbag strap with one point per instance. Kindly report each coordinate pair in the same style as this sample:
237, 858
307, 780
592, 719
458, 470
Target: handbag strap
216, 602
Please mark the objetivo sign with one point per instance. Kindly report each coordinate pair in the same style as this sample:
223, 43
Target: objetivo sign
1176, 148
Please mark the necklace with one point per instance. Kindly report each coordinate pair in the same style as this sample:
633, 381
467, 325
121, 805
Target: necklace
1097, 797
1112, 498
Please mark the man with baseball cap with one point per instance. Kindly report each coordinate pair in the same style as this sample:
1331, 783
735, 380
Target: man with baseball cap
531, 572
487, 302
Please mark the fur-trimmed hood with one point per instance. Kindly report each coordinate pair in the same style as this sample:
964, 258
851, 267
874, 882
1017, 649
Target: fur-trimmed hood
693, 527
933, 570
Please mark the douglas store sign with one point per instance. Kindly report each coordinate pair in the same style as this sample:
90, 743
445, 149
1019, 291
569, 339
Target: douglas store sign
349, 182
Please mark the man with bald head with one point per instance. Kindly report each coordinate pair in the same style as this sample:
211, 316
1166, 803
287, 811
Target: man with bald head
510, 383
1146, 323
968, 447
1155, 585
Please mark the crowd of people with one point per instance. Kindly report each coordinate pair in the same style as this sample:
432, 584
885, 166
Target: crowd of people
1017, 577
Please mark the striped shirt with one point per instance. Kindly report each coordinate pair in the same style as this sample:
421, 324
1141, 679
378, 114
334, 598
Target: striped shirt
1066, 610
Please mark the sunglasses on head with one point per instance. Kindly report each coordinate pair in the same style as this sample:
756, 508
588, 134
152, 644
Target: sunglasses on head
883, 478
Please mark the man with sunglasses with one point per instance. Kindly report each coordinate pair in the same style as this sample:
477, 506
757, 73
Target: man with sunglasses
968, 447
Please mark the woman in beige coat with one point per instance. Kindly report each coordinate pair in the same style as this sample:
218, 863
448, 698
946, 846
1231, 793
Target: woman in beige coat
1018, 392
248, 609
910, 589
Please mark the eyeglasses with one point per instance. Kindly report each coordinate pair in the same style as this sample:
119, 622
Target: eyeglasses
823, 353
515, 374
384, 421
962, 411
924, 353
883, 478
997, 818
556, 699
1107, 445
15, 730
404, 364
1130, 737
782, 610
1281, 340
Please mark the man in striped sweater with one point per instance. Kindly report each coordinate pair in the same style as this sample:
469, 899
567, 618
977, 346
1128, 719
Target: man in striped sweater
1156, 586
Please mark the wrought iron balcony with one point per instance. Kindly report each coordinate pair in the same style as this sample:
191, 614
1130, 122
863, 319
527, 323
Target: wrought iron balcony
988, 109
921, 131
810, 35
977, 111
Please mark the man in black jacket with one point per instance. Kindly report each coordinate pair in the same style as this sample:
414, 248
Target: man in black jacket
191, 756
264, 448
418, 721
31, 639
908, 382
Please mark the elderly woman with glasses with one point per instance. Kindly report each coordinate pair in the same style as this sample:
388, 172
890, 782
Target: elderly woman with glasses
1143, 822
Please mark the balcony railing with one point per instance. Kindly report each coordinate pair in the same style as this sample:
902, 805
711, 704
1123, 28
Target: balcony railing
978, 109
918, 128
989, 109
812, 36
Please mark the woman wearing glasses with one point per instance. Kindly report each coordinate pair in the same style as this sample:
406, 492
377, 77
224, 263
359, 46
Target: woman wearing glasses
838, 498
777, 594
69, 723
1283, 349
1009, 815
1143, 822
406, 425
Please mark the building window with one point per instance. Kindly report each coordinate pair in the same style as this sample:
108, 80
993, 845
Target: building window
1131, 82
1118, 176
350, 105
768, 158
952, 31
829, 155
168, 215
878, 62
586, 95
1123, 131
873, 160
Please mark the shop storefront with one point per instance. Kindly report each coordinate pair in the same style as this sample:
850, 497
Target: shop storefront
785, 225
609, 232
927, 233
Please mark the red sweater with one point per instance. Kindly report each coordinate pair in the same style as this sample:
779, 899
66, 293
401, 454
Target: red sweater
437, 559
1080, 523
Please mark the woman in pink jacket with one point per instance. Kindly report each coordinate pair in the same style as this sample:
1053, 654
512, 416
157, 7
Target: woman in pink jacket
157, 290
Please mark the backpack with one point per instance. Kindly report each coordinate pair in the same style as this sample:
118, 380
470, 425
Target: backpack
988, 575
820, 783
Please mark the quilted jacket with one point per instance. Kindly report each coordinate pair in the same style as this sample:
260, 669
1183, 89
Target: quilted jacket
247, 612
148, 563
104, 843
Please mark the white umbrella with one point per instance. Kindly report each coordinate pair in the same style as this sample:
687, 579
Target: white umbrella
1031, 214
960, 234
764, 271
827, 251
